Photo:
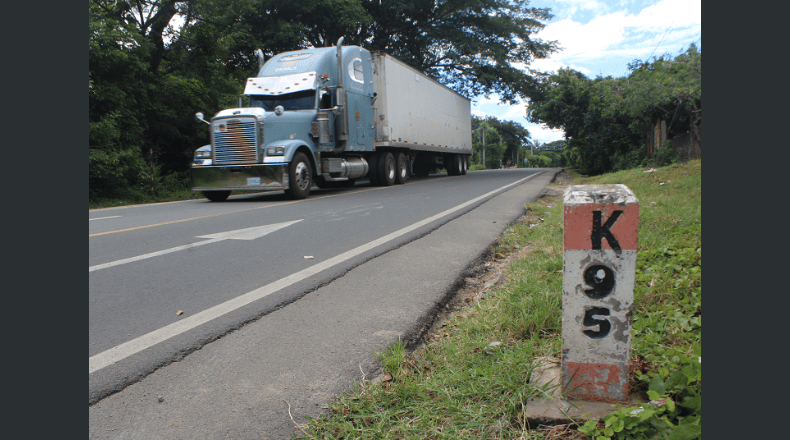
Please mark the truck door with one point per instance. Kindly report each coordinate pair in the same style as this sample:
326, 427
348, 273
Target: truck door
359, 89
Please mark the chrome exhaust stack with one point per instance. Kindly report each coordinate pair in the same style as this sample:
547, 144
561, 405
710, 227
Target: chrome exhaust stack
342, 117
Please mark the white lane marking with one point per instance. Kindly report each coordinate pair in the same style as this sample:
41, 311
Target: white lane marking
240, 234
102, 218
122, 351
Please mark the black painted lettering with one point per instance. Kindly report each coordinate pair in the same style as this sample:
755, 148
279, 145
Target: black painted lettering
600, 232
604, 327
600, 279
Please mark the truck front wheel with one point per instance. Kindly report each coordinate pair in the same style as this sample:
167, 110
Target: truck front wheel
300, 177
216, 196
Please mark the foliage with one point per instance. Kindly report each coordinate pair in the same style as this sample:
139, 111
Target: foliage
674, 410
511, 135
492, 149
147, 78
471, 46
555, 159
145, 82
608, 121
538, 161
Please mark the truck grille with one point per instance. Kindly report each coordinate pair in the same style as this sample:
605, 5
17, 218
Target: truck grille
237, 144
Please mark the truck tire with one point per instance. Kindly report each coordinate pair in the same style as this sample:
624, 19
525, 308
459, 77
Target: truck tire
464, 166
386, 170
373, 169
454, 167
216, 196
300, 177
401, 168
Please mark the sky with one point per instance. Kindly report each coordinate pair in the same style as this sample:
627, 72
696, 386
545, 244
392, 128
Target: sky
600, 38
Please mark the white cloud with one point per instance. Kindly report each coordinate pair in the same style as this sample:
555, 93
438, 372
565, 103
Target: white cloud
479, 113
622, 33
553, 65
544, 134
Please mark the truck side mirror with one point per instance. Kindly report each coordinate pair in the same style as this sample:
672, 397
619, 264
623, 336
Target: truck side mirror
199, 118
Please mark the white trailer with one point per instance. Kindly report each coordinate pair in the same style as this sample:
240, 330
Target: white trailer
414, 112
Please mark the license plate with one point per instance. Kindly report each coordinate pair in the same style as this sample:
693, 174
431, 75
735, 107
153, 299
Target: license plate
253, 181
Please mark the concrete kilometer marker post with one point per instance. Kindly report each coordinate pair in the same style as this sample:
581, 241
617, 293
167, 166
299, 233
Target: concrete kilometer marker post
599, 263
239, 234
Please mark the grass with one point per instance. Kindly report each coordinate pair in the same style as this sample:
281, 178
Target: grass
138, 198
461, 384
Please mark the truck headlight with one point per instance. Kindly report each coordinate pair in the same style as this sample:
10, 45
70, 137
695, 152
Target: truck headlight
275, 151
202, 154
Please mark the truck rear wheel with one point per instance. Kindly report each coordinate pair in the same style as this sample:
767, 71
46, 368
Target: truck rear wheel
386, 170
454, 168
401, 168
300, 177
216, 196
463, 165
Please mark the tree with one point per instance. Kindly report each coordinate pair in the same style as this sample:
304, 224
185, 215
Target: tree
472, 46
494, 146
513, 134
668, 89
148, 75
116, 78
145, 82
608, 121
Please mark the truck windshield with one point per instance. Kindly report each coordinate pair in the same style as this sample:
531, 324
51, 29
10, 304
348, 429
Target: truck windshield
303, 100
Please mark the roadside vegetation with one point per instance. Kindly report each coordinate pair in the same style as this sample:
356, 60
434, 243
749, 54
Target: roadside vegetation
470, 379
610, 124
146, 78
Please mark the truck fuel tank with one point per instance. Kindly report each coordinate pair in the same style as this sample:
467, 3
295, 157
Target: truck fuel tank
349, 167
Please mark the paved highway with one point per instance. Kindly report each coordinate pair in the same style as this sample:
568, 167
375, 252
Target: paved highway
280, 300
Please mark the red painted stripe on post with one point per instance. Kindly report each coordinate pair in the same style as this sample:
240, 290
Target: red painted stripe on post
578, 222
592, 381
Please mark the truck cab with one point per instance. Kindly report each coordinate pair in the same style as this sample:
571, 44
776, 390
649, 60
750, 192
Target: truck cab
302, 107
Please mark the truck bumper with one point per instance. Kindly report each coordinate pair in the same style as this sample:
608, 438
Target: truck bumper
240, 178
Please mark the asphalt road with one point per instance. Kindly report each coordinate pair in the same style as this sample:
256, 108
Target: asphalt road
284, 303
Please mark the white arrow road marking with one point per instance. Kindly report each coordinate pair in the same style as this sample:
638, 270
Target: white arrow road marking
122, 351
239, 234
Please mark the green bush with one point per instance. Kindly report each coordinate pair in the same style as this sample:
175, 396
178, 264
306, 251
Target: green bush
538, 161
555, 158
626, 161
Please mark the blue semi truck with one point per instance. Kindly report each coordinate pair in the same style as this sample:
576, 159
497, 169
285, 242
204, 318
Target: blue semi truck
329, 117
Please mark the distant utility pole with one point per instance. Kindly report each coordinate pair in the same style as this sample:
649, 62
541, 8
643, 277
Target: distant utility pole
517, 151
483, 133
500, 148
